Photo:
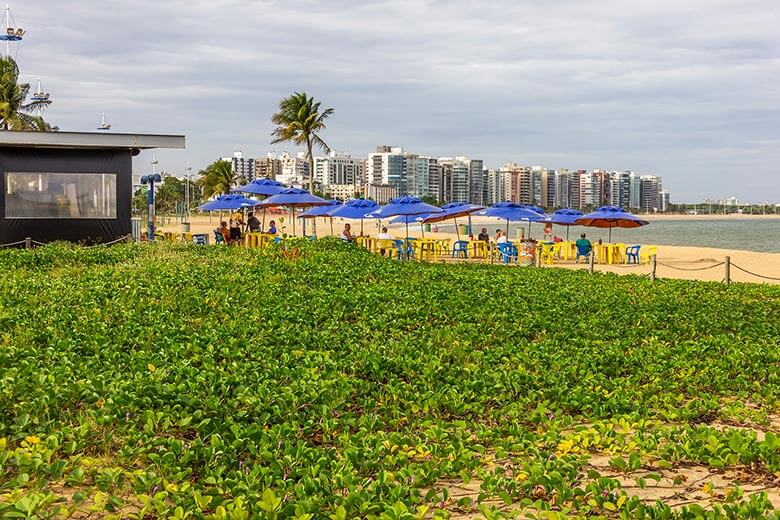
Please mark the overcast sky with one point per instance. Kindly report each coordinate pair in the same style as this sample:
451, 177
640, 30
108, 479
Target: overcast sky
686, 89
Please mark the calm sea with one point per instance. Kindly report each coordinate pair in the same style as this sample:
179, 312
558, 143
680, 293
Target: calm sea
750, 235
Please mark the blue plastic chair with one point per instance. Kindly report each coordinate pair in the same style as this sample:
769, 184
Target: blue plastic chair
584, 252
277, 240
632, 254
460, 248
507, 252
218, 238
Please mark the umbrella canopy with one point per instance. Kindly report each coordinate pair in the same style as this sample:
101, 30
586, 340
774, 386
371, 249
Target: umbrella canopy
511, 212
534, 208
265, 187
321, 211
405, 205
408, 219
294, 198
228, 202
610, 217
355, 208
564, 217
453, 210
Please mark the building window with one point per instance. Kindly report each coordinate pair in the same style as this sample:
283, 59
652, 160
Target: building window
60, 195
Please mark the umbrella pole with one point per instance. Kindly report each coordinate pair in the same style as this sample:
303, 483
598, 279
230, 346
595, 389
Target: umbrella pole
457, 231
609, 240
263, 226
529, 229
471, 231
361, 227
406, 240
567, 233
293, 219
331, 226
422, 229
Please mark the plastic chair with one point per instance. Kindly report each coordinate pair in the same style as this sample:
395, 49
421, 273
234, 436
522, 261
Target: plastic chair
507, 252
632, 254
584, 252
399, 246
218, 238
277, 240
200, 239
647, 253
460, 248
548, 253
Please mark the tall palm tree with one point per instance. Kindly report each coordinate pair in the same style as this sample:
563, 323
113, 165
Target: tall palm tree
299, 120
15, 112
217, 178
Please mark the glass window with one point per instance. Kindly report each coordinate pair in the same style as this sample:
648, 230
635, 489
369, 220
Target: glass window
60, 195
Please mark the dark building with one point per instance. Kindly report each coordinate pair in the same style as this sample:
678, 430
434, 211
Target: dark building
69, 185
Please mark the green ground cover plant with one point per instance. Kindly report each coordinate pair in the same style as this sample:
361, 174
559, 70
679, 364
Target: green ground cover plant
164, 381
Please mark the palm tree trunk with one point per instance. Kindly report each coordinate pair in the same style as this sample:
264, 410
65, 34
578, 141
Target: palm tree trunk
310, 160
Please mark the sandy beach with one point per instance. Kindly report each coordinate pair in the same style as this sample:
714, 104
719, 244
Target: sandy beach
673, 261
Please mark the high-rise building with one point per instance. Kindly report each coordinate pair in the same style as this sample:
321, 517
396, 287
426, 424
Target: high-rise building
387, 166
434, 178
445, 179
268, 167
518, 183
635, 190
343, 192
495, 187
620, 189
664, 199
338, 168
586, 189
546, 197
381, 193
243, 167
601, 185
563, 188
650, 192
295, 170
476, 181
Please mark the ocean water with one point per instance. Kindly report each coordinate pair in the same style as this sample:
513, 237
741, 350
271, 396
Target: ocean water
744, 234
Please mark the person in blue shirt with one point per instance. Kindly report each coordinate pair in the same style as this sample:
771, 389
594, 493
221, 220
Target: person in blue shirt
271, 228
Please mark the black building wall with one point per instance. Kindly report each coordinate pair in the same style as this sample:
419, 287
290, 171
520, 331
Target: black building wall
74, 161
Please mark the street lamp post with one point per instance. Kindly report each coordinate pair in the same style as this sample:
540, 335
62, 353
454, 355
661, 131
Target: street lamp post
150, 180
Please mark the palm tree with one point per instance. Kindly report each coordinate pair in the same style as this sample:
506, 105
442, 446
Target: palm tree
299, 120
15, 114
217, 178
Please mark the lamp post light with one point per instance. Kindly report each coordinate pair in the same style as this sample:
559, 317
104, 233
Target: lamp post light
150, 180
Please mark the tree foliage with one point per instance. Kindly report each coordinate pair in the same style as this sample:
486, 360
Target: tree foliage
217, 178
300, 120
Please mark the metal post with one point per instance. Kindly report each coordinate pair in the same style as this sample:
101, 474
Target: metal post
28, 243
592, 261
150, 203
652, 267
728, 270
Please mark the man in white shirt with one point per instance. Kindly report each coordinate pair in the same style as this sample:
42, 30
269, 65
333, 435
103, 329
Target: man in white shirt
500, 237
384, 235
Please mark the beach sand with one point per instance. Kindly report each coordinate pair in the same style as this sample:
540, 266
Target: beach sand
673, 261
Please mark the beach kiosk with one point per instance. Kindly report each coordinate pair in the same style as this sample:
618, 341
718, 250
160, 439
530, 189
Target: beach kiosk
74, 186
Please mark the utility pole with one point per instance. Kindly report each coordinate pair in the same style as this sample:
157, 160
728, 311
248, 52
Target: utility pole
187, 169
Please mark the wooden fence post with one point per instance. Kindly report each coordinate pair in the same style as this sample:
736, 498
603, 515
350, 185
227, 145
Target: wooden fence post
592, 261
653, 265
28, 243
728, 270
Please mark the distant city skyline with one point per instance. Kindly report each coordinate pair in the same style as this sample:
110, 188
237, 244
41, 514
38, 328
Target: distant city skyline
683, 90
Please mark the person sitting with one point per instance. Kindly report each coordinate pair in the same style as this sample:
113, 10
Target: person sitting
271, 228
384, 235
483, 235
584, 248
224, 231
252, 223
347, 235
500, 237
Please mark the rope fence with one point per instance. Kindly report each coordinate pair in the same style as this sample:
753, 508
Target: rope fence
755, 274
692, 269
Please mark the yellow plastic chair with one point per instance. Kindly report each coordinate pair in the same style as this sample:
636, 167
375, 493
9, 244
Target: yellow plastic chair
548, 253
385, 247
646, 252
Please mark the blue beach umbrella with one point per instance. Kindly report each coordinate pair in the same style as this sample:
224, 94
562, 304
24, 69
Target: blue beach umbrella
261, 187
610, 217
355, 209
265, 187
404, 206
511, 212
453, 210
564, 217
293, 198
321, 211
228, 202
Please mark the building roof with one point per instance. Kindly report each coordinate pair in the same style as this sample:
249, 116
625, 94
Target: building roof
94, 140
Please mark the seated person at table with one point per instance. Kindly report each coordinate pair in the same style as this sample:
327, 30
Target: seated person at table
483, 235
347, 235
384, 235
252, 223
583, 247
500, 237
271, 228
224, 230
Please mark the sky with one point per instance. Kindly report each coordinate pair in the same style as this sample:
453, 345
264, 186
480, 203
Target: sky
685, 89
